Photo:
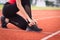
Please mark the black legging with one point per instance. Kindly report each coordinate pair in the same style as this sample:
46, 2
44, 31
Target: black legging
9, 11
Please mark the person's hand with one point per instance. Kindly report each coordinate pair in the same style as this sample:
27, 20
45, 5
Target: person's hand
32, 22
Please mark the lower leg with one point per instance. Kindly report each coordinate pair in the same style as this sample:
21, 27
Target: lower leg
19, 22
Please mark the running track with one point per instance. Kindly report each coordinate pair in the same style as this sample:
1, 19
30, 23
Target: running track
48, 20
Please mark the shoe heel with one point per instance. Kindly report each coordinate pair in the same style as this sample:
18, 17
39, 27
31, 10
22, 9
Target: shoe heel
3, 23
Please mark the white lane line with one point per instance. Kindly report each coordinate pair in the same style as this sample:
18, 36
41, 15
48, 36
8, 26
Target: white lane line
46, 32
51, 35
42, 18
49, 17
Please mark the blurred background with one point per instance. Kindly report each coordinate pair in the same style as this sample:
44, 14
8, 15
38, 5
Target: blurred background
42, 3
45, 3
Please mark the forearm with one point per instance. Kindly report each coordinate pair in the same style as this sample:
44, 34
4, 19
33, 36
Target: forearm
20, 7
24, 12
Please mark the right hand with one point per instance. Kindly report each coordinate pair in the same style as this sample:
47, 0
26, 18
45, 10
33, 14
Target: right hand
32, 22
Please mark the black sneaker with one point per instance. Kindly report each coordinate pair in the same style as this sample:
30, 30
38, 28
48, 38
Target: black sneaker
3, 23
34, 28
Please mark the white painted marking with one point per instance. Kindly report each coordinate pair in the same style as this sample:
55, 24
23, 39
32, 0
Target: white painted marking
42, 18
51, 35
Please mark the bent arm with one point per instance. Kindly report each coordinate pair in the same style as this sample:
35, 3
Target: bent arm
20, 7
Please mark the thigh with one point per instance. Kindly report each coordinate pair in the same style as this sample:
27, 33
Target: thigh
27, 7
9, 10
